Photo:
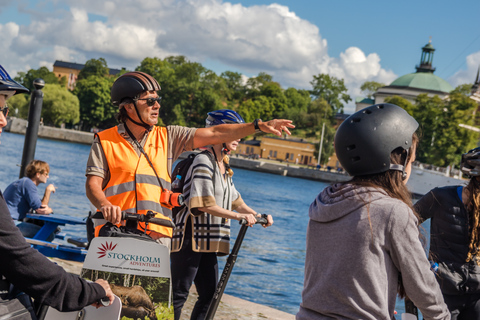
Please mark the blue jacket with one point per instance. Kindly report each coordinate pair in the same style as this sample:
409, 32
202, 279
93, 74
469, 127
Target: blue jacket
21, 196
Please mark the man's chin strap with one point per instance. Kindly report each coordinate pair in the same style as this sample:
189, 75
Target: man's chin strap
142, 124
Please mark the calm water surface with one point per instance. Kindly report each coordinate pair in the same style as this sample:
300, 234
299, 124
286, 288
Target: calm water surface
270, 266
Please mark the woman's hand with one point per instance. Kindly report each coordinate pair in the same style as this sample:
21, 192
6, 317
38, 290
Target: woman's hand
269, 220
249, 217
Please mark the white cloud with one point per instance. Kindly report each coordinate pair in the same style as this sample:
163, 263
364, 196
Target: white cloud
467, 76
254, 39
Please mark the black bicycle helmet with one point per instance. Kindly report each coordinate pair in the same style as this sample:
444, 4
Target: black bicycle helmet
366, 139
470, 164
8, 84
131, 84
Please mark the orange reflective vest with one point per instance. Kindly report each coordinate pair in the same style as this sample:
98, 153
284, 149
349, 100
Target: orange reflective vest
133, 185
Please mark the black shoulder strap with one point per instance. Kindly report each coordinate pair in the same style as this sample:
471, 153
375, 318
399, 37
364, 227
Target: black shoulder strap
139, 146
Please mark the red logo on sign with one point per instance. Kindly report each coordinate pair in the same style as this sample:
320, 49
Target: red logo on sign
104, 248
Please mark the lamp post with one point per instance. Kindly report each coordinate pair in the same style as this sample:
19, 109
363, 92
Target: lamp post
34, 112
321, 144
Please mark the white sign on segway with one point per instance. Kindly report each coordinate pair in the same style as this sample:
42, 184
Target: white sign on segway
138, 272
129, 256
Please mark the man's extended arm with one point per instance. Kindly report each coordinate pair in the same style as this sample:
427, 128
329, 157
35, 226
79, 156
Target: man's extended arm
229, 132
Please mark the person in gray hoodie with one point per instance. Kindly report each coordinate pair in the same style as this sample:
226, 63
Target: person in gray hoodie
363, 246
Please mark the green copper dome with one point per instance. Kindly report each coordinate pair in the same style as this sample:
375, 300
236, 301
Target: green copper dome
424, 81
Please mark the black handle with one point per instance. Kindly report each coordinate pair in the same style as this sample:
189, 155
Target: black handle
105, 301
260, 220
148, 217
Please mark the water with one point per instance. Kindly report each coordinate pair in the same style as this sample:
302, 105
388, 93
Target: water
270, 265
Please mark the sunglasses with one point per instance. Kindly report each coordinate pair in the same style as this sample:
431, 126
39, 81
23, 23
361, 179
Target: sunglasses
4, 110
151, 101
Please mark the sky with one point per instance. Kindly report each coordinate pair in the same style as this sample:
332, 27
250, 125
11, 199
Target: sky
292, 40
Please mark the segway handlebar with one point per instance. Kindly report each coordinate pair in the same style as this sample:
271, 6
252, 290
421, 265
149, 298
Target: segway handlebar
148, 217
104, 301
260, 220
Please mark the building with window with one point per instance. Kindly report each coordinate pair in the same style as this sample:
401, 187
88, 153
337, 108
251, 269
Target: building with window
291, 150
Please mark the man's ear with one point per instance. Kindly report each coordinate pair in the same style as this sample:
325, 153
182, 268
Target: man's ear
129, 107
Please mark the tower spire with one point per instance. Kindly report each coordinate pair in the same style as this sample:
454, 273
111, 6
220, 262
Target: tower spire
426, 58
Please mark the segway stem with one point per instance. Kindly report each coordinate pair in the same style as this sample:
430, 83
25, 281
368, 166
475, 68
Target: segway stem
227, 270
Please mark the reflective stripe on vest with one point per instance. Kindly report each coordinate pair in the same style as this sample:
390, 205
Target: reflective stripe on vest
133, 183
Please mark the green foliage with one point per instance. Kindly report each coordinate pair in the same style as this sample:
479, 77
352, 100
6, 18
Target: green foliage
26, 79
94, 67
320, 112
188, 92
19, 105
330, 89
464, 89
59, 106
442, 139
370, 87
96, 109
401, 102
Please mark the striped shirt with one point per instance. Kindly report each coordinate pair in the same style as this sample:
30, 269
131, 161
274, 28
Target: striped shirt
210, 233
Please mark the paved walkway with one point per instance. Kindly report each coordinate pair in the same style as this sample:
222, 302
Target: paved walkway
230, 308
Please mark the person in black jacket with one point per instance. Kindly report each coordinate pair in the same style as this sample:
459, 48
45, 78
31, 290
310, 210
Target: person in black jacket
455, 239
26, 268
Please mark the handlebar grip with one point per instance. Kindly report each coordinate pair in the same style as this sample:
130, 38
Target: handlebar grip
104, 301
260, 220
149, 217
162, 222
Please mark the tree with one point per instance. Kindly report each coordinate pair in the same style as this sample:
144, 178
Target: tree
274, 93
330, 89
234, 83
19, 105
259, 108
319, 113
188, 92
402, 102
443, 140
94, 67
59, 106
96, 109
370, 87
26, 79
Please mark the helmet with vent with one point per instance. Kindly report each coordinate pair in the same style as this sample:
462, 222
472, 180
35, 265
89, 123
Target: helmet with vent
223, 116
131, 84
366, 139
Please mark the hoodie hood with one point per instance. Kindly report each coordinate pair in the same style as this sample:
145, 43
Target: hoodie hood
339, 200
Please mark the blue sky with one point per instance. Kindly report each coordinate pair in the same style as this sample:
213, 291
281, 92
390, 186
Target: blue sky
356, 41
